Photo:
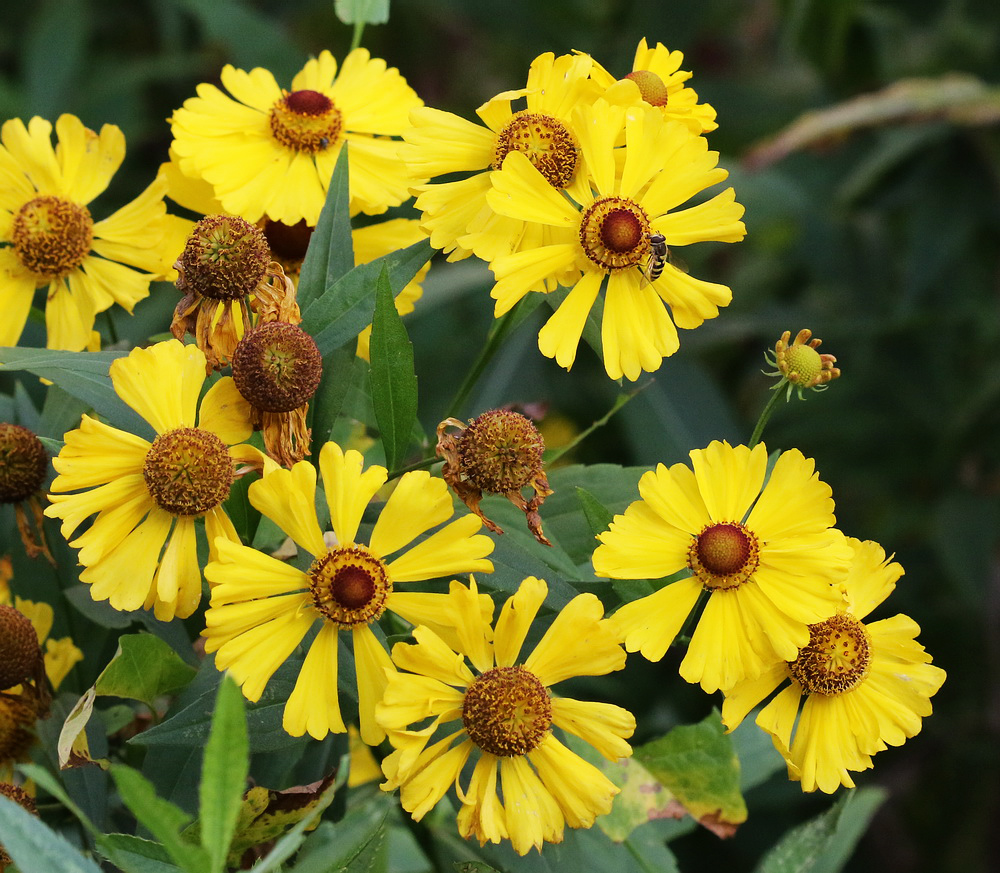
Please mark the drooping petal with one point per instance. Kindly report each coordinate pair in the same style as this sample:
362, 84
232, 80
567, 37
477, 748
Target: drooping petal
372, 663
533, 816
581, 790
604, 726
650, 624
560, 335
577, 643
178, 578
314, 704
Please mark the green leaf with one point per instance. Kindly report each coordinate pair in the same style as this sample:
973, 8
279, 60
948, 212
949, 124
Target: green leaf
190, 727
394, 383
693, 770
290, 842
35, 847
825, 843
331, 251
160, 817
223, 773
598, 516
342, 370
135, 855
362, 11
357, 842
84, 375
144, 668
345, 308
46, 780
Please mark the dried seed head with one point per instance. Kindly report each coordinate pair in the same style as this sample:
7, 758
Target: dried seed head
23, 463
22, 799
19, 651
225, 258
500, 451
277, 367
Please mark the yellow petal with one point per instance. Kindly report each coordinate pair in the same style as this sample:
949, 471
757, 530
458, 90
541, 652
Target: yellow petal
560, 335
288, 498
418, 503
581, 790
314, 704
602, 725
178, 579
650, 624
577, 643
140, 377
452, 549
348, 489
372, 663
516, 616
225, 413
533, 816
242, 573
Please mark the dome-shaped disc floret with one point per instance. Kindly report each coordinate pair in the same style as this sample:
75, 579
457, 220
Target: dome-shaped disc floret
23, 463
277, 367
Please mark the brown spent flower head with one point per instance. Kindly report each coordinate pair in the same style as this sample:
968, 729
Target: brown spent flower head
22, 799
20, 654
23, 463
17, 720
799, 365
225, 258
277, 367
499, 452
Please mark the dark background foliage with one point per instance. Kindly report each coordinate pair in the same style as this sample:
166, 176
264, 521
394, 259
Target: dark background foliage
883, 241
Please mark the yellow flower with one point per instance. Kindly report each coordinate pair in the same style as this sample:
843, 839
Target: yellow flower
379, 239
854, 690
267, 151
505, 712
456, 213
621, 229
48, 238
262, 608
766, 554
147, 494
657, 78
61, 655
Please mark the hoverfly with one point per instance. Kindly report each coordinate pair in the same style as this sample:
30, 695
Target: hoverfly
659, 256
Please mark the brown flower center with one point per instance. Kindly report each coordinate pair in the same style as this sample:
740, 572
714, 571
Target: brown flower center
306, 121
349, 585
724, 555
23, 463
651, 87
545, 141
500, 451
17, 718
225, 258
507, 711
277, 367
614, 233
19, 651
188, 471
52, 236
837, 659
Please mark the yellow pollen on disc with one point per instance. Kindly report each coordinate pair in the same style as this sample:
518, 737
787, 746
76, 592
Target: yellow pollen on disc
837, 658
651, 87
507, 711
500, 451
52, 236
724, 555
614, 233
545, 141
349, 585
306, 121
188, 471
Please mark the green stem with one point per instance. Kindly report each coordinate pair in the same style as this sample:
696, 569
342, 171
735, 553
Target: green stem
359, 28
497, 334
766, 414
416, 465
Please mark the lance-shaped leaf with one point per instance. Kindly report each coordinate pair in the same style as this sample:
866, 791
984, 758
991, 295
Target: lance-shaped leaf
84, 375
223, 773
331, 252
160, 817
35, 847
394, 383
345, 307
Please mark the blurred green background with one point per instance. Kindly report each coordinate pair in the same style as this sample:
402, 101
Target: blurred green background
882, 236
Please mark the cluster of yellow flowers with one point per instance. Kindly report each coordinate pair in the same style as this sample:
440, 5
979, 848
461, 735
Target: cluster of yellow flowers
586, 188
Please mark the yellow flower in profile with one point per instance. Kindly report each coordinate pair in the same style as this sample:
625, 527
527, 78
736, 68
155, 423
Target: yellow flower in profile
377, 240
505, 713
147, 494
765, 553
49, 239
61, 655
621, 230
853, 690
262, 608
456, 213
267, 151
657, 78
